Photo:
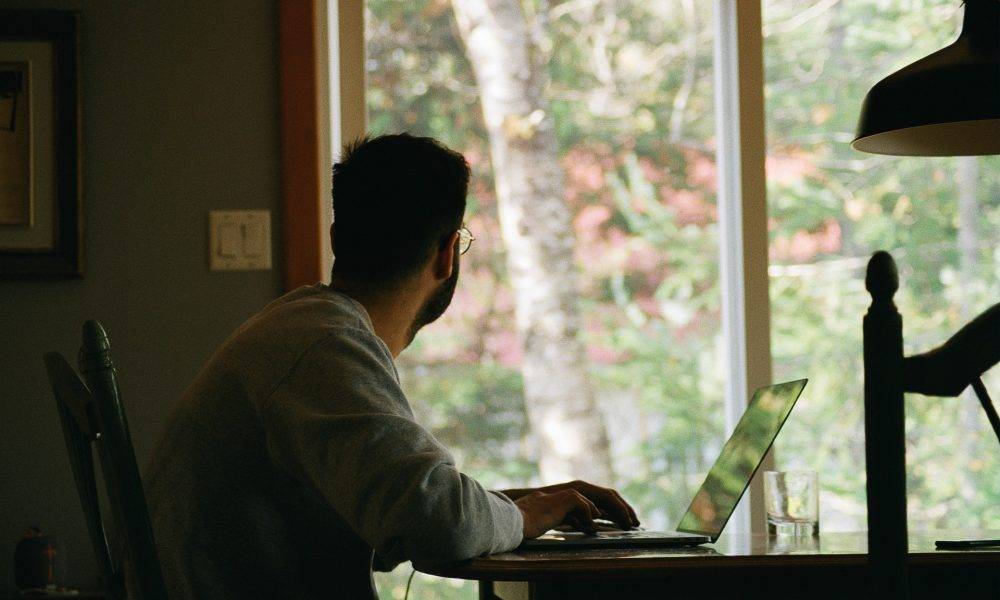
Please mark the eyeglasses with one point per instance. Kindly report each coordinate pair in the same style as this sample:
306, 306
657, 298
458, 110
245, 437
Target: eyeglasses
465, 239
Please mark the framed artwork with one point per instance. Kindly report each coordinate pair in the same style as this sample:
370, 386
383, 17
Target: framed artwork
40, 219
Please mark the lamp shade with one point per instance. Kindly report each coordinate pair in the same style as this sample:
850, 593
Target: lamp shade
945, 104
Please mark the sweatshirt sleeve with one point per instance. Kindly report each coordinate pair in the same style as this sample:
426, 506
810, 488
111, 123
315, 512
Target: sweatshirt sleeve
340, 422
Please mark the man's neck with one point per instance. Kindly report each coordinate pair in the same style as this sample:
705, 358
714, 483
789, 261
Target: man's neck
392, 313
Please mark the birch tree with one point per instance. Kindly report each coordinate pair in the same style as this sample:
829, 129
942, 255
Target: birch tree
503, 48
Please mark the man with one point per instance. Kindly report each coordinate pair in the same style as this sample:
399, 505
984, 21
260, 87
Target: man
294, 455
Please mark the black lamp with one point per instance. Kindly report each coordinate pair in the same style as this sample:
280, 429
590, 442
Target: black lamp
945, 104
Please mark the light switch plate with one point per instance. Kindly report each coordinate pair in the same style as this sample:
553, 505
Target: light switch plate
239, 240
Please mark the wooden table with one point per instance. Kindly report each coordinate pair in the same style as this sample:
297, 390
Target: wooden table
832, 565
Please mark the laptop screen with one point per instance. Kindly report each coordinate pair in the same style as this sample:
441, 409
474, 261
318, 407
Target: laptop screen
731, 474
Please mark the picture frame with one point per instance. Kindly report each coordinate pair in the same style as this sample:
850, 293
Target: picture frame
40, 191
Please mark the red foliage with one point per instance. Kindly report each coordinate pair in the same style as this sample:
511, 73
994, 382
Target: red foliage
643, 257
690, 206
589, 220
650, 171
604, 355
504, 345
701, 171
784, 169
584, 168
648, 305
805, 245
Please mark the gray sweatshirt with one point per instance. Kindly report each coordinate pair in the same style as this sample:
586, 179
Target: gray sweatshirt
295, 453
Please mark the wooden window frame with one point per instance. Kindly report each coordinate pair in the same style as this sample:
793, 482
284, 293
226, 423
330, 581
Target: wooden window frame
300, 141
321, 71
743, 237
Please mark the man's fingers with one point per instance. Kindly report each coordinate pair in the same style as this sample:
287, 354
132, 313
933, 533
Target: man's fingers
592, 511
613, 506
581, 521
602, 502
623, 508
573, 522
631, 511
582, 509
595, 512
616, 508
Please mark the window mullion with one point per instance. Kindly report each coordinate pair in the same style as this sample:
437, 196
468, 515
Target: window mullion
345, 20
739, 97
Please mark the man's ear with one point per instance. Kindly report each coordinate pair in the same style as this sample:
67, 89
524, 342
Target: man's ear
444, 259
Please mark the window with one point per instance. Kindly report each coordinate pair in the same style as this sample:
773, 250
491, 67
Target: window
585, 336
830, 207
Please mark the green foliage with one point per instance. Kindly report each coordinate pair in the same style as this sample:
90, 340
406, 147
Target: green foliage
479, 409
817, 74
632, 100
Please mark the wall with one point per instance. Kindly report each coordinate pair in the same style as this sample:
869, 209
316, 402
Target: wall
179, 117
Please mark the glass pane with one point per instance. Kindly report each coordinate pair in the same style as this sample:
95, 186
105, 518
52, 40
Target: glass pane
830, 208
612, 357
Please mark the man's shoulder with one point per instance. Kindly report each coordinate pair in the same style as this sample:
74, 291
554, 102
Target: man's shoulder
268, 345
311, 307
327, 348
299, 319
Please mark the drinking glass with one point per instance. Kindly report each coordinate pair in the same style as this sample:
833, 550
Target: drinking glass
792, 500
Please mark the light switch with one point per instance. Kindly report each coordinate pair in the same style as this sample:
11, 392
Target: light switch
239, 240
253, 239
229, 240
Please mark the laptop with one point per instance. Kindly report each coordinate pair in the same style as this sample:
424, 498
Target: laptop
718, 496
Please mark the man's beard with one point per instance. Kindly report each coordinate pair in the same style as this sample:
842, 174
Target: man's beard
436, 304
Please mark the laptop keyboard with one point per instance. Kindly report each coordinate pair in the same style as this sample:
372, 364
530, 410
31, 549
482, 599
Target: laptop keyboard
618, 533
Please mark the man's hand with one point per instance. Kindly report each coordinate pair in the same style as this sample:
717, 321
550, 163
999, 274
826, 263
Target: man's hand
576, 503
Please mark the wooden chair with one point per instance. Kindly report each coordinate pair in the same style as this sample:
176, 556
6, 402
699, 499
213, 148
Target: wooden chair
944, 371
92, 414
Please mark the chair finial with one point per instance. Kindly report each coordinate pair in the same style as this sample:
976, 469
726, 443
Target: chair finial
882, 279
94, 351
94, 337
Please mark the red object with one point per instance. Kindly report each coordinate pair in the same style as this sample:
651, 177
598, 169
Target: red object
38, 561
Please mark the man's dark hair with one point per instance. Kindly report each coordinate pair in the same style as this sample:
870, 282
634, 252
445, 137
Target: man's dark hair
396, 198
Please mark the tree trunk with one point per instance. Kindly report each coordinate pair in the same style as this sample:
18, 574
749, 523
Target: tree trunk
537, 234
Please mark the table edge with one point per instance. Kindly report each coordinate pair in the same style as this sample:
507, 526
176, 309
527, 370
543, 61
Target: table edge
646, 568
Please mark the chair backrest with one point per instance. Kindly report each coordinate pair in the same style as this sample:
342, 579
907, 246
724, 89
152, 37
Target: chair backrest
944, 371
92, 415
885, 459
